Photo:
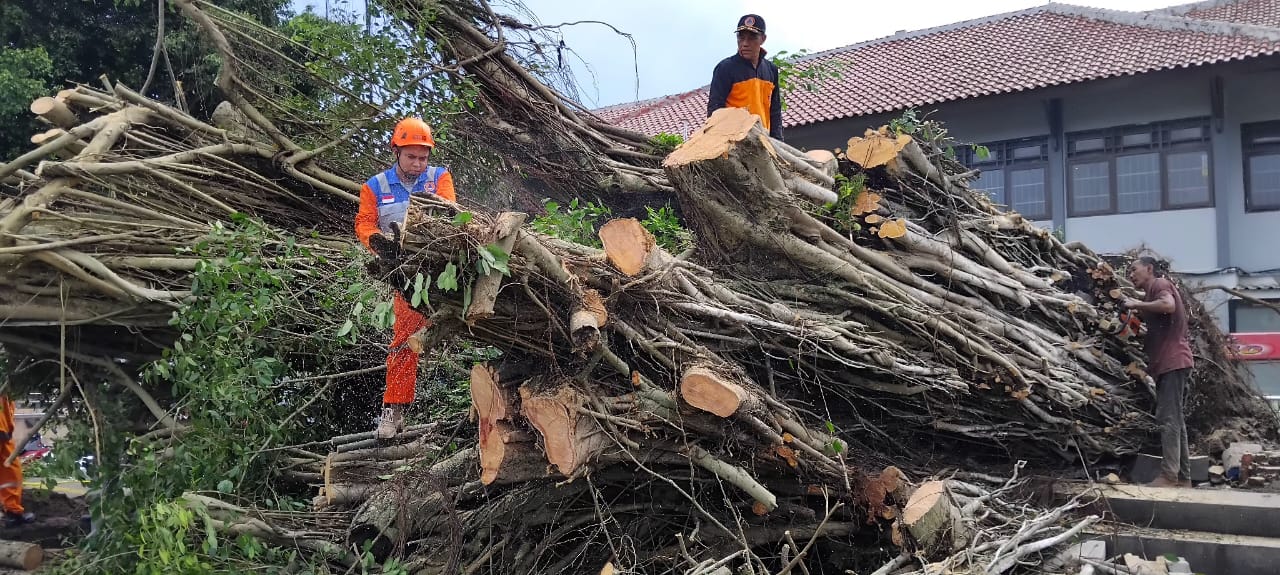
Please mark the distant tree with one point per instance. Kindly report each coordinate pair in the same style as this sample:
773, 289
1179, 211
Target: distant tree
47, 45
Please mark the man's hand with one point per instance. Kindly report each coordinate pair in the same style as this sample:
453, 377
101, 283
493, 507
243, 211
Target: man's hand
1131, 303
5, 436
388, 250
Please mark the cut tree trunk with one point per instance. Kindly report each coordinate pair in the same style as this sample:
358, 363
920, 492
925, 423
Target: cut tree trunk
571, 438
20, 555
933, 519
710, 391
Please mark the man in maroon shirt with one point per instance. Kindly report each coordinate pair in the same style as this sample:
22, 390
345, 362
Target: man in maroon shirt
1169, 362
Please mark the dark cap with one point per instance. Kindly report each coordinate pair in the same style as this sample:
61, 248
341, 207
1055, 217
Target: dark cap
750, 23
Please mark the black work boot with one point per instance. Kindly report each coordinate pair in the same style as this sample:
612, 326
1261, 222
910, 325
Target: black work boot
12, 519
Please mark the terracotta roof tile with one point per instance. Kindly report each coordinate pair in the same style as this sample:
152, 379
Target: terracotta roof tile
1257, 12
1045, 46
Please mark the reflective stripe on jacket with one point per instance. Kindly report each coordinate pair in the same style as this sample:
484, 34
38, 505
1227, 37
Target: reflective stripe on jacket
384, 199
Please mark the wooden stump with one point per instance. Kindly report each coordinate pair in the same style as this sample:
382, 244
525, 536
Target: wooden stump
712, 392
55, 111
630, 247
933, 519
507, 454
570, 438
20, 555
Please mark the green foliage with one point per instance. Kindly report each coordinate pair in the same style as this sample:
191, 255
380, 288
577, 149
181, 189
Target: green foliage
665, 143
840, 212
24, 76
667, 229
908, 123
83, 40
577, 224
794, 74
245, 340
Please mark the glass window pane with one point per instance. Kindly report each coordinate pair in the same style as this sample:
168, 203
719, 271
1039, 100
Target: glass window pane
1186, 134
1264, 181
991, 182
1089, 145
1188, 178
1027, 192
1138, 183
1136, 139
1090, 187
1253, 318
1027, 152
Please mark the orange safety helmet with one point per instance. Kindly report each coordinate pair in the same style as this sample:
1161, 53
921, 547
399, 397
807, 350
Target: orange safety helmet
412, 132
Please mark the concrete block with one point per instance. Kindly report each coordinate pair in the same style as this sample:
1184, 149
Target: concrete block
1208, 553
1225, 511
1145, 468
1231, 457
1217, 474
1069, 558
1199, 468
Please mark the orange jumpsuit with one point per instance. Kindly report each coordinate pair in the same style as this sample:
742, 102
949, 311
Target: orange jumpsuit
382, 196
10, 475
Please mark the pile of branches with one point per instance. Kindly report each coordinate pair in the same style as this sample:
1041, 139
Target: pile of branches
769, 400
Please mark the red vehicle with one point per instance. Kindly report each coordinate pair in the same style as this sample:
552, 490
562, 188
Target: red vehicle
35, 450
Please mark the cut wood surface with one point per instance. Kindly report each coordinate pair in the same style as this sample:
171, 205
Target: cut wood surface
708, 391
929, 512
721, 132
570, 438
20, 555
627, 244
55, 111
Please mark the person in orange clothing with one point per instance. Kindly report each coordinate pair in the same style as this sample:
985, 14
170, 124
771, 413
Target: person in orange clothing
384, 202
748, 79
10, 475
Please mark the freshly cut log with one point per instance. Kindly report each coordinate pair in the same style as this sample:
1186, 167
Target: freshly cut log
709, 391
933, 519
55, 111
20, 555
630, 247
571, 439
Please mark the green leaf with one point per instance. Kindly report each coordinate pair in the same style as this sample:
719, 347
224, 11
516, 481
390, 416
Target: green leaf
466, 298
225, 486
837, 446
831, 427
461, 219
499, 258
346, 328
418, 294
385, 477
448, 279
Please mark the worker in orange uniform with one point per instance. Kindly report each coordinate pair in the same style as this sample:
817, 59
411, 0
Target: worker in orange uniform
384, 203
10, 475
748, 79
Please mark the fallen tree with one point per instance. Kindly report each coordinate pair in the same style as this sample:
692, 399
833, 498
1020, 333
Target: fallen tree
752, 402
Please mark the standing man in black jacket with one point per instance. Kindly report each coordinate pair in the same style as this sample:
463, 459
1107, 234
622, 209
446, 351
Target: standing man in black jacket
748, 79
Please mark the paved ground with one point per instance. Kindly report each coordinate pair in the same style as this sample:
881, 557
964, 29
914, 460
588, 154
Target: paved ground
68, 487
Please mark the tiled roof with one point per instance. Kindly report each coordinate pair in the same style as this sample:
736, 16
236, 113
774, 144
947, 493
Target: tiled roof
1035, 48
1258, 12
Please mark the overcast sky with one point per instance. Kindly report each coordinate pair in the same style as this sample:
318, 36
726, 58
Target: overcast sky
678, 42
